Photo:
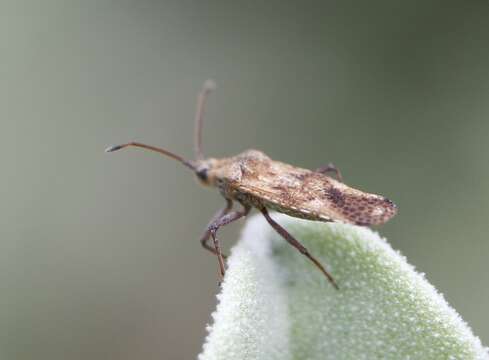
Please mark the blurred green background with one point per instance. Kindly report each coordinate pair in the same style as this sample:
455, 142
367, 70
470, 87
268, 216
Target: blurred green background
99, 255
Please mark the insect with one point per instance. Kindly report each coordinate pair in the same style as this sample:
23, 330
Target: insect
254, 180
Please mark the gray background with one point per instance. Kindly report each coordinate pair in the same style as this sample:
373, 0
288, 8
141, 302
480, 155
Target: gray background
99, 255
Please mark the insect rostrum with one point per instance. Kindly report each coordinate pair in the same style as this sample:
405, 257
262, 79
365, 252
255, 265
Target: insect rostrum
256, 181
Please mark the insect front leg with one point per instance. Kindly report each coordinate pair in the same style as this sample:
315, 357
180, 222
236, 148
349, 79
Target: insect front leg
214, 226
295, 243
330, 168
207, 234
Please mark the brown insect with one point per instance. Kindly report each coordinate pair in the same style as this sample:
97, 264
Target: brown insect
254, 180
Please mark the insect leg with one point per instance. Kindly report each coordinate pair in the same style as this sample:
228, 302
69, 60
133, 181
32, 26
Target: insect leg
224, 220
207, 234
295, 243
330, 168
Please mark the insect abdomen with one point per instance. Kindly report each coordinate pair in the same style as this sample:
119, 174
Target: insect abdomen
359, 208
333, 205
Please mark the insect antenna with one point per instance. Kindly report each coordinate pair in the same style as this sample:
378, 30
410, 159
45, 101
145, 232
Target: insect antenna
185, 162
208, 86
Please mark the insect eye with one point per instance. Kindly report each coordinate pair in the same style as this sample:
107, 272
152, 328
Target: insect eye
202, 174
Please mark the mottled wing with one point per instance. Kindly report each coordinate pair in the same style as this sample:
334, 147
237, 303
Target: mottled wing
308, 194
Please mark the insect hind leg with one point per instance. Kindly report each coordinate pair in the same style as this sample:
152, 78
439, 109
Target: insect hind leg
295, 243
330, 168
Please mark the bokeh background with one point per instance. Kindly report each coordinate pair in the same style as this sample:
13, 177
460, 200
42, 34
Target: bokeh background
99, 254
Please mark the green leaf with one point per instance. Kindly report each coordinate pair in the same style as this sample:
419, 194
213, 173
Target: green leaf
275, 304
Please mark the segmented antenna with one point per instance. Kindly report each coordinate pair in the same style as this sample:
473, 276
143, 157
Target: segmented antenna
208, 86
185, 162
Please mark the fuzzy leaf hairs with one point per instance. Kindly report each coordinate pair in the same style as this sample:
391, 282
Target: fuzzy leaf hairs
275, 305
